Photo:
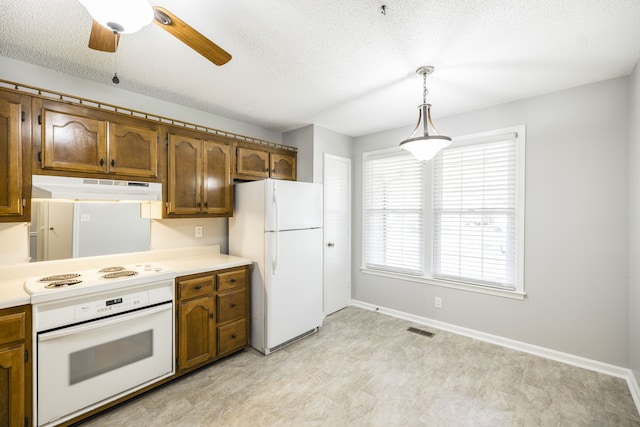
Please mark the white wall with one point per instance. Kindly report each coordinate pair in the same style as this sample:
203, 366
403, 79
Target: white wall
576, 227
634, 223
302, 139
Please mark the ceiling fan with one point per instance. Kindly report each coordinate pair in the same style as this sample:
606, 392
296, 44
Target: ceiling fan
112, 18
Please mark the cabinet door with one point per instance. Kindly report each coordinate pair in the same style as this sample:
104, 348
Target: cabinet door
12, 386
197, 335
10, 158
252, 163
283, 166
73, 143
217, 178
133, 150
185, 175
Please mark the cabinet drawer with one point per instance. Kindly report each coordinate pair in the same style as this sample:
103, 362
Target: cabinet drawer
13, 327
232, 305
231, 279
195, 287
232, 336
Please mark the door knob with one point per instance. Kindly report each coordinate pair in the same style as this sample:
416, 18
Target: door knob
331, 244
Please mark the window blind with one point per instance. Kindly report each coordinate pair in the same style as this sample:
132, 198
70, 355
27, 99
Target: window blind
394, 213
474, 212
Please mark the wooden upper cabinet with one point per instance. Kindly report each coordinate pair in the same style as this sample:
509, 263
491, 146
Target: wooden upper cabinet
184, 182
199, 179
73, 143
252, 163
133, 150
98, 143
256, 162
217, 187
283, 166
15, 173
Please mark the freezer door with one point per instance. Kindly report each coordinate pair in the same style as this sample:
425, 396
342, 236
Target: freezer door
292, 205
294, 294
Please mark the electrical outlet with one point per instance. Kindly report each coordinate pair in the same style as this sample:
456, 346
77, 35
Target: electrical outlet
438, 302
198, 231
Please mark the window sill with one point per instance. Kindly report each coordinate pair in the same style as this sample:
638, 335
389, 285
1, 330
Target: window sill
449, 284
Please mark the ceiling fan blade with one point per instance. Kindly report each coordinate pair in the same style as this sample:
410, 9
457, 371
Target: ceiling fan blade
103, 39
187, 35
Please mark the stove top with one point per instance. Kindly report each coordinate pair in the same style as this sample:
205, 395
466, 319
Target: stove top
59, 286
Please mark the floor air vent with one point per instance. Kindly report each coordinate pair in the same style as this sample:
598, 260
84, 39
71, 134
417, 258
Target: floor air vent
421, 332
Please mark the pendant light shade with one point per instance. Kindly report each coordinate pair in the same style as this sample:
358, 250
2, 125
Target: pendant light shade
425, 141
120, 16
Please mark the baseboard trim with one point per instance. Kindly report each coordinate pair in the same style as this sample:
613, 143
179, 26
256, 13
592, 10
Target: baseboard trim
547, 353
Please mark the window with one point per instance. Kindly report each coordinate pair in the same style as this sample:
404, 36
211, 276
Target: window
394, 212
463, 226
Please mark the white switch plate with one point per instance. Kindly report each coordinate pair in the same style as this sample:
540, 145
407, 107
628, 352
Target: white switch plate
198, 231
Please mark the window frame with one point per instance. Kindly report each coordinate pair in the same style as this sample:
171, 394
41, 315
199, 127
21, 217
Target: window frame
476, 138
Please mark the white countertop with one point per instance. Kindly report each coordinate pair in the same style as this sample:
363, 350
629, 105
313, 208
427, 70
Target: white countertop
183, 261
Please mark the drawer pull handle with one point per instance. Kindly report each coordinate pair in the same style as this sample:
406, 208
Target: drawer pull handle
198, 287
232, 280
233, 305
234, 336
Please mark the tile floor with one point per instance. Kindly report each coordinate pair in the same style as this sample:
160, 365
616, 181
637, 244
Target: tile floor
364, 369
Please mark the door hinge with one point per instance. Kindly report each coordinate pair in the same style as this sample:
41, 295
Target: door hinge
22, 116
166, 140
26, 356
39, 119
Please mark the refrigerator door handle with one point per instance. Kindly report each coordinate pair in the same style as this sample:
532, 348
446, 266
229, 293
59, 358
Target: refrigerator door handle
274, 260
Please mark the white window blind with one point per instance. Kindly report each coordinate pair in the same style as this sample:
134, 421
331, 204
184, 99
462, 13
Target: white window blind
475, 212
394, 213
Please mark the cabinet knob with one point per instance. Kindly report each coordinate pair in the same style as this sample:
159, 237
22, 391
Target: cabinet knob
233, 305
101, 162
211, 315
199, 204
331, 244
113, 162
234, 336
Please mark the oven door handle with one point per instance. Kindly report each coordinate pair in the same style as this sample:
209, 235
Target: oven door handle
104, 322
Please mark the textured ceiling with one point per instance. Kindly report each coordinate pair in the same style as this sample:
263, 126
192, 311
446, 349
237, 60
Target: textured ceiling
341, 64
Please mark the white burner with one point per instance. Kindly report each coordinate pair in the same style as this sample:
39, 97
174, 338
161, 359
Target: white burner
94, 281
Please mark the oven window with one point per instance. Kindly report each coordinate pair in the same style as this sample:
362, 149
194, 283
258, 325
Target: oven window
97, 360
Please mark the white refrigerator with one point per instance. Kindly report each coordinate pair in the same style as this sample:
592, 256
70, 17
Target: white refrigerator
278, 225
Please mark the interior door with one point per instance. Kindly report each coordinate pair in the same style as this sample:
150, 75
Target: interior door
57, 230
337, 233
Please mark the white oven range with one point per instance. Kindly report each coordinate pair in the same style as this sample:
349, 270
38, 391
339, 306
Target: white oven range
99, 335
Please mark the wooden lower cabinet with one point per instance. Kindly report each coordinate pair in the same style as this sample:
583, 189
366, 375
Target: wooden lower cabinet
15, 366
213, 316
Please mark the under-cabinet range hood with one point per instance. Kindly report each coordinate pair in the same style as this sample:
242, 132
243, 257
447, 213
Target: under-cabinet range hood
70, 188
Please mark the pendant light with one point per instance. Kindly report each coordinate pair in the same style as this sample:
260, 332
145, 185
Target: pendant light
120, 16
422, 143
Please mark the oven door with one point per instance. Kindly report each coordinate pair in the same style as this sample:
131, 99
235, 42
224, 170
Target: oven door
84, 366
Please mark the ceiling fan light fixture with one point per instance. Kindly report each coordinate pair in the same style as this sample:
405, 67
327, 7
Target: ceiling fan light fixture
425, 141
120, 16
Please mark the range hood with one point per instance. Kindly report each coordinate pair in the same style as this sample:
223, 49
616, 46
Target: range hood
69, 188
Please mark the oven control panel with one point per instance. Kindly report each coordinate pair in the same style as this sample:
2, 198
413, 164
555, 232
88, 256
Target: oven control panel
109, 306
64, 313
